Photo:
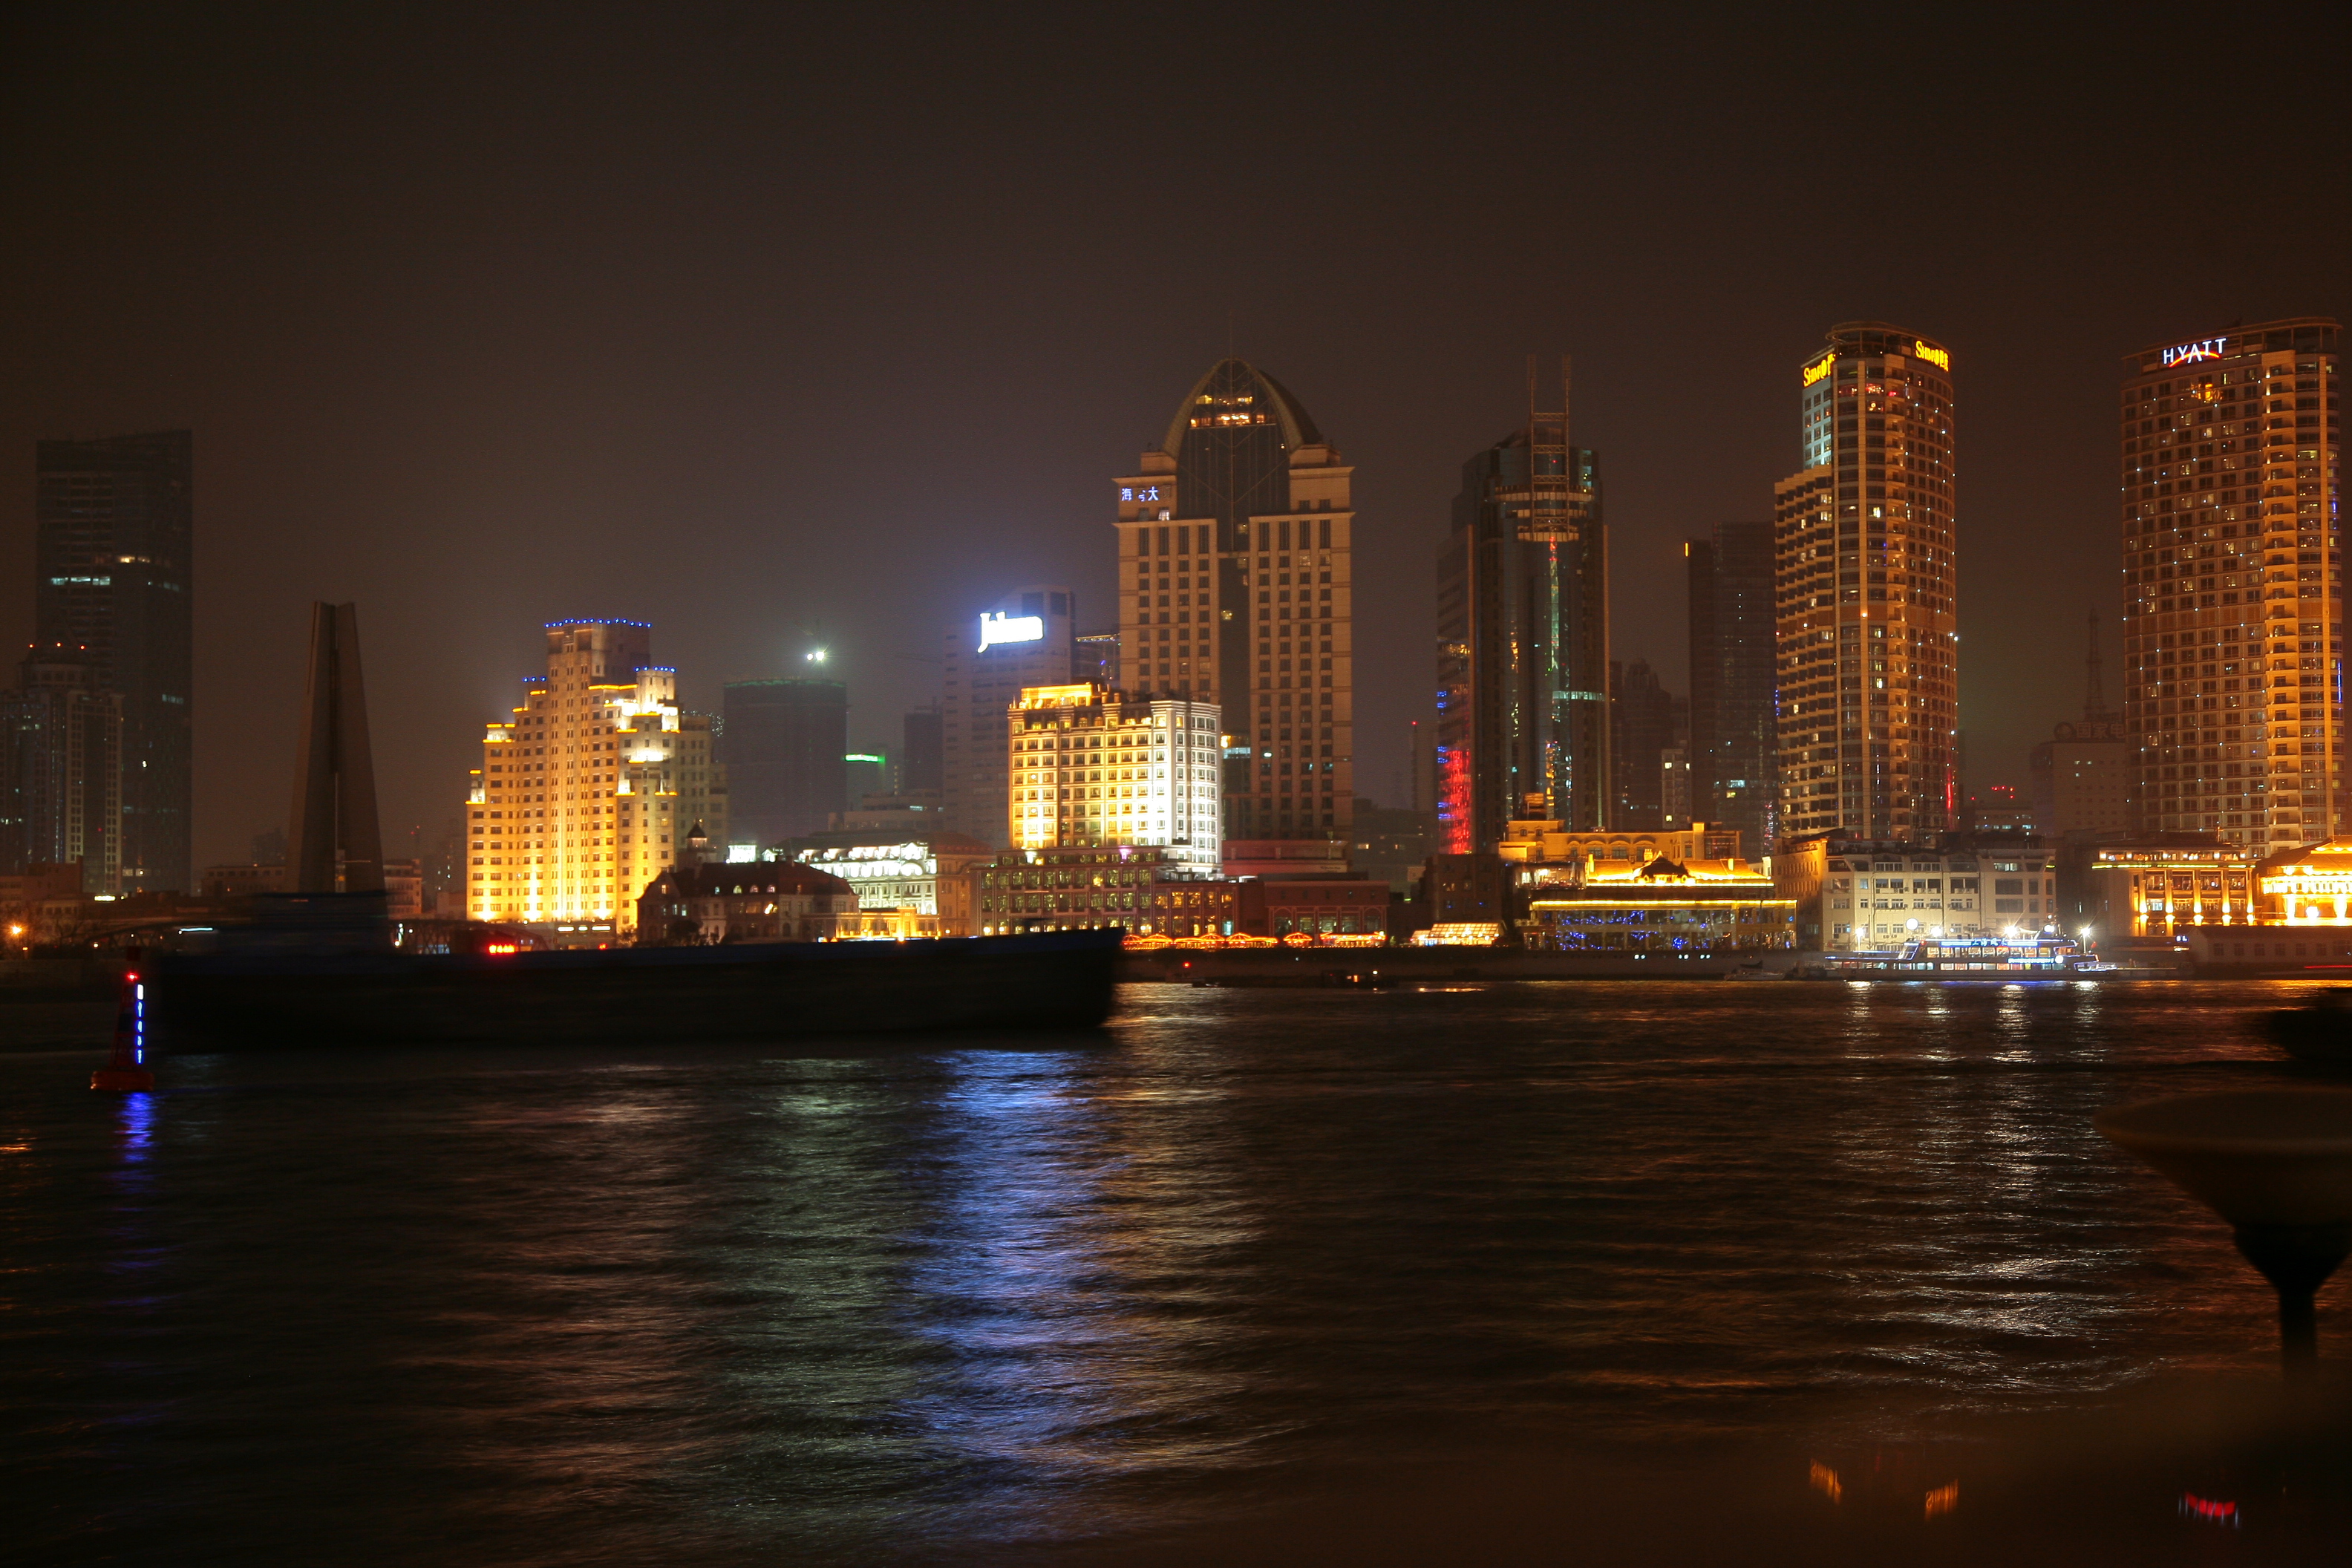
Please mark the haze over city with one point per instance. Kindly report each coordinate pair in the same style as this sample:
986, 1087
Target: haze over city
778, 330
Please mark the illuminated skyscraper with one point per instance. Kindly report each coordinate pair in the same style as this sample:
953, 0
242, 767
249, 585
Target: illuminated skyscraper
1523, 727
593, 788
1236, 546
1023, 640
1863, 537
2233, 591
113, 519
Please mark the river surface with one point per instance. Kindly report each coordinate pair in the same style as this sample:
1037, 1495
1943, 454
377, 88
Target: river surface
1583, 1271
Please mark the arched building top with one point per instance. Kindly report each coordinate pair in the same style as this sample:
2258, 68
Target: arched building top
1235, 394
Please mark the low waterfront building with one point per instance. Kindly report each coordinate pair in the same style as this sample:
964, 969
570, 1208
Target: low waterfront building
1863, 894
926, 877
1665, 906
1316, 906
2150, 886
2311, 886
1146, 891
756, 900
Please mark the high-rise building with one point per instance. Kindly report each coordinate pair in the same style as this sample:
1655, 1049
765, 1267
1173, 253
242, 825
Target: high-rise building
61, 770
1523, 725
593, 788
112, 573
1735, 724
784, 744
1864, 539
1235, 552
2083, 775
2233, 593
864, 773
918, 752
1091, 766
1644, 720
1023, 639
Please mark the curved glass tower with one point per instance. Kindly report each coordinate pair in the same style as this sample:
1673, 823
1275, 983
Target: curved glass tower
1523, 639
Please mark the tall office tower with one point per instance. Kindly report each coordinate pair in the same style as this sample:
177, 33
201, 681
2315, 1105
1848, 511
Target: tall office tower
1523, 638
1235, 552
1735, 724
61, 770
593, 788
1093, 767
2233, 596
918, 752
1644, 720
783, 744
1023, 639
112, 573
1862, 538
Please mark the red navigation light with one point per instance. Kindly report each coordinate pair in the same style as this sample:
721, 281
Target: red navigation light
133, 975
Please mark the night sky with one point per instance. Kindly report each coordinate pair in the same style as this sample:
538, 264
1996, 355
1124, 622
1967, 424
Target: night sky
774, 326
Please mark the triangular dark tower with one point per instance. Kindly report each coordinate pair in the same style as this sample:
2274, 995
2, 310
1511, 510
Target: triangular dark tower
334, 818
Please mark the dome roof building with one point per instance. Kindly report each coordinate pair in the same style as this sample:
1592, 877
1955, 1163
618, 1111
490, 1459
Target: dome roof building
1236, 544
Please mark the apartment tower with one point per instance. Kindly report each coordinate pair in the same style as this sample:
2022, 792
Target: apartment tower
1864, 539
112, 522
1523, 725
1235, 544
2233, 593
593, 786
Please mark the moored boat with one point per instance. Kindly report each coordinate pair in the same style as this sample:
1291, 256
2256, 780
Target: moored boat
2004, 960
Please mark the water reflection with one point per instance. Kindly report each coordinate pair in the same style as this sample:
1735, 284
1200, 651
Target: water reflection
865, 1306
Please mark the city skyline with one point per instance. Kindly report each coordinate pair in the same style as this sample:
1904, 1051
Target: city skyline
599, 343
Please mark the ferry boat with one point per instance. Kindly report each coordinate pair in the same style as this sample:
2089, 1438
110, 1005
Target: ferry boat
2001, 959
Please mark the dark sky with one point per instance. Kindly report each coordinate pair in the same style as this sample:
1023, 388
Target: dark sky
751, 322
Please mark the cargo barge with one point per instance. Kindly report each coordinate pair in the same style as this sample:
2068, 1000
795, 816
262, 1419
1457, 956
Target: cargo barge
262, 996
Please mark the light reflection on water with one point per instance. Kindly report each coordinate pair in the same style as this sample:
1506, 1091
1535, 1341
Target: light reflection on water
885, 1302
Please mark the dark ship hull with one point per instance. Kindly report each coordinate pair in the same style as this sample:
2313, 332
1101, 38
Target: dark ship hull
232, 1001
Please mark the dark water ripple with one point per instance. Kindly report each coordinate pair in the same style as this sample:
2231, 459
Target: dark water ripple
557, 1305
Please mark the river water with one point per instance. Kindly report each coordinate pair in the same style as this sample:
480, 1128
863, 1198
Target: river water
1534, 1272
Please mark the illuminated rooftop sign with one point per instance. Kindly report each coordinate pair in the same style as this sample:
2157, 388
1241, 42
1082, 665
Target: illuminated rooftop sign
999, 629
1819, 368
2189, 353
1934, 356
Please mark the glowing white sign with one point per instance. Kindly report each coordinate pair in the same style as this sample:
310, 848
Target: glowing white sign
994, 629
2189, 353
1145, 492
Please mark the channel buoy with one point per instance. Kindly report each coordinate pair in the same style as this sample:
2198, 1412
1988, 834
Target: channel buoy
126, 1072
